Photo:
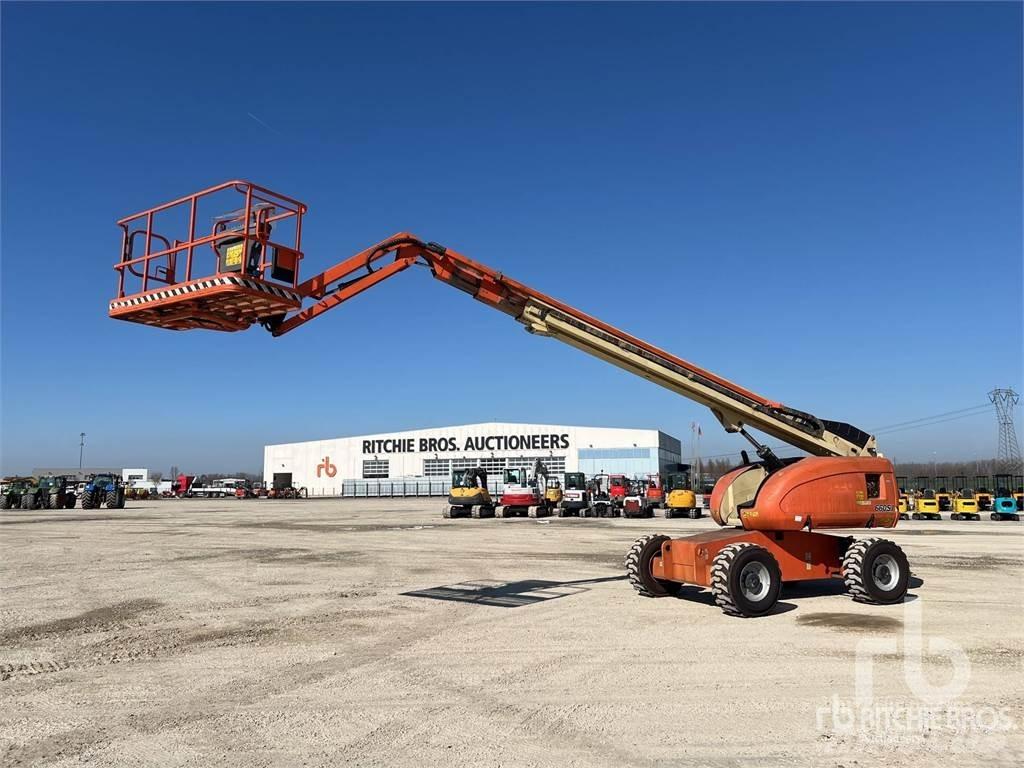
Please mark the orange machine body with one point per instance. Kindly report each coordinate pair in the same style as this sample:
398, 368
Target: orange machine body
810, 493
817, 492
801, 555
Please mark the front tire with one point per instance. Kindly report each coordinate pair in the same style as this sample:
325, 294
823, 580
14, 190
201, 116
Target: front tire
876, 571
638, 568
745, 580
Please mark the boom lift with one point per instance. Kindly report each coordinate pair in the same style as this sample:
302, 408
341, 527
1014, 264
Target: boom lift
771, 509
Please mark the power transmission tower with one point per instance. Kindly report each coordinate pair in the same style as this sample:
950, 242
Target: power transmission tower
1008, 459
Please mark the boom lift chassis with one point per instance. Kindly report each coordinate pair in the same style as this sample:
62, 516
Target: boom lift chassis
770, 509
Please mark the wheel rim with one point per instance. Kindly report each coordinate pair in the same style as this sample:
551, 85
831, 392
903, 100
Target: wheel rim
886, 572
755, 581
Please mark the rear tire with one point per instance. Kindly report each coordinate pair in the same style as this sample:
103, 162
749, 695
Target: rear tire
111, 499
876, 571
745, 580
4, 503
638, 568
669, 513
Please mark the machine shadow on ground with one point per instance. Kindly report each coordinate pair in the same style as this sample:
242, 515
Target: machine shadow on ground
513, 594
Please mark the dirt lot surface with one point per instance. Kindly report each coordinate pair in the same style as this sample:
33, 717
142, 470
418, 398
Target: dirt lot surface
374, 633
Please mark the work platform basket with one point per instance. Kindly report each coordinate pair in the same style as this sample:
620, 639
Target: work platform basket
242, 269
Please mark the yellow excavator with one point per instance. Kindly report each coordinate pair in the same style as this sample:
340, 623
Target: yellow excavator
681, 500
469, 496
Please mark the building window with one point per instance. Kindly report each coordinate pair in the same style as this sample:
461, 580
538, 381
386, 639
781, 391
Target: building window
375, 468
437, 467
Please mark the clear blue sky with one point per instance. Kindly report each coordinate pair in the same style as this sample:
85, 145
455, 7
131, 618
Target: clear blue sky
821, 202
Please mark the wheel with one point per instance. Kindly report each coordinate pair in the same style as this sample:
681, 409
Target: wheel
111, 499
954, 516
562, 512
694, 513
669, 513
638, 568
86, 500
916, 516
26, 501
54, 501
69, 501
4, 502
745, 580
876, 571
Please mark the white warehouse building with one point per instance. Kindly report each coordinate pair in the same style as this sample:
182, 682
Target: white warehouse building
421, 461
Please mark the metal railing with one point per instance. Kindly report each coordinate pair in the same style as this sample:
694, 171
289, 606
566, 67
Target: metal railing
383, 489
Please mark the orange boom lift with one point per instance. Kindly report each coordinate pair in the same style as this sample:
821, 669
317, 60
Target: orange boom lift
245, 271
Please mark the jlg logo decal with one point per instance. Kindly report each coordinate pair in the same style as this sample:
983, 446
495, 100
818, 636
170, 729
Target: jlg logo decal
326, 468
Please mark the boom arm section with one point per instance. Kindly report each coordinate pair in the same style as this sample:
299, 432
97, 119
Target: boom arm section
735, 407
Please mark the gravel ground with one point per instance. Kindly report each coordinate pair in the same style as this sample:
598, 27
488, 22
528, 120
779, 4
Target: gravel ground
374, 633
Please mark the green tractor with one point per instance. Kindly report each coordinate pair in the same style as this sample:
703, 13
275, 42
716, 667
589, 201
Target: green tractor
103, 489
61, 490
12, 489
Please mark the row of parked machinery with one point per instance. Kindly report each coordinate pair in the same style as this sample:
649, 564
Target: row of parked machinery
62, 492
961, 502
536, 494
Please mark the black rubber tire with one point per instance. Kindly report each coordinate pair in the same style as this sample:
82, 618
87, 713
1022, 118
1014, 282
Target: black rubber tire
726, 571
861, 577
694, 514
669, 513
638, 568
26, 501
111, 499
4, 503
54, 501
916, 516
69, 501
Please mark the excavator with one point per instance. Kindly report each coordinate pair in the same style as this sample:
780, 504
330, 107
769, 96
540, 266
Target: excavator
469, 496
525, 496
772, 511
681, 500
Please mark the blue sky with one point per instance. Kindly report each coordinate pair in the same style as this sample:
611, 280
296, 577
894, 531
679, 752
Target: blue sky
821, 202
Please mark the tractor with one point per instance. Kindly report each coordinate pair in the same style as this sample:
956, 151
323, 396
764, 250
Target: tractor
103, 489
12, 489
57, 492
